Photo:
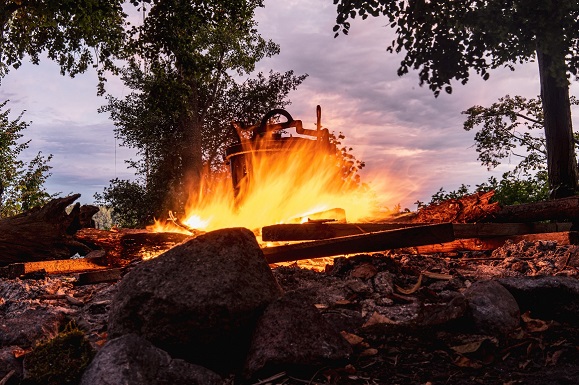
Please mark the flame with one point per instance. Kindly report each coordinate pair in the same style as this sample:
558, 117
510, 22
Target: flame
288, 183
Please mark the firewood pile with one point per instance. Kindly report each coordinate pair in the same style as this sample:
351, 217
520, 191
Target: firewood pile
464, 292
34, 242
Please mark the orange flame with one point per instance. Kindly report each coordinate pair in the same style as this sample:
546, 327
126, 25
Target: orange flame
281, 185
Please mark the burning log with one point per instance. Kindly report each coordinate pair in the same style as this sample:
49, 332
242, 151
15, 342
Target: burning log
315, 231
364, 243
44, 233
122, 246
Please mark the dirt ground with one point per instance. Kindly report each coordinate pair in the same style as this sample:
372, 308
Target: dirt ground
539, 351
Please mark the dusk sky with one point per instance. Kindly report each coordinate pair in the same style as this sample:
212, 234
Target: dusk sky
411, 141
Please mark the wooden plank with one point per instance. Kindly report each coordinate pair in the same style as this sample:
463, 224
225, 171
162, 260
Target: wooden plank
364, 243
486, 230
483, 244
315, 231
60, 266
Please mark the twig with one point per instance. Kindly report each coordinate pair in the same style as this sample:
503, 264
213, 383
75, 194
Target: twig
4, 380
269, 379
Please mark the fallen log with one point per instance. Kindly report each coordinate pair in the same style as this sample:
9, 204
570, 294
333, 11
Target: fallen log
467, 209
364, 243
487, 244
556, 210
43, 233
125, 245
315, 231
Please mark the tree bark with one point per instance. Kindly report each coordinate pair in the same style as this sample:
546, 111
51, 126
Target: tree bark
561, 161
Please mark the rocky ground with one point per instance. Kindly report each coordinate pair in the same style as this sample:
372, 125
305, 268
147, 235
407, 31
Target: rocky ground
410, 319
543, 347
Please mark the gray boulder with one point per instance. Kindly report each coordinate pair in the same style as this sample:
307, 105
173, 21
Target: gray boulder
132, 360
493, 309
546, 297
291, 336
200, 300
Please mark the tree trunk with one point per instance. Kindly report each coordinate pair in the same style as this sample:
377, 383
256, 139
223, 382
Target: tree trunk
44, 233
561, 161
192, 125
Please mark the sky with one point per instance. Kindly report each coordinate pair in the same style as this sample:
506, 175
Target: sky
412, 143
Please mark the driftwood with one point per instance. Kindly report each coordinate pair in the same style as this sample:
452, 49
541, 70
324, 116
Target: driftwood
371, 242
44, 233
125, 245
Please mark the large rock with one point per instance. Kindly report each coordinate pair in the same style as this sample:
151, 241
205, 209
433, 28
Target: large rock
493, 309
10, 366
132, 360
292, 335
546, 297
199, 300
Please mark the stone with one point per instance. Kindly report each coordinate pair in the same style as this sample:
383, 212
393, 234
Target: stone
546, 297
292, 336
200, 300
435, 314
10, 366
344, 319
25, 329
493, 309
132, 360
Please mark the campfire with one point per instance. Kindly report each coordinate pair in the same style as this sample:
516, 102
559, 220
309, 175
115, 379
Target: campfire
280, 173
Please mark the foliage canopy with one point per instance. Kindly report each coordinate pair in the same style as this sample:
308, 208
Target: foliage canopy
446, 40
190, 76
21, 183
